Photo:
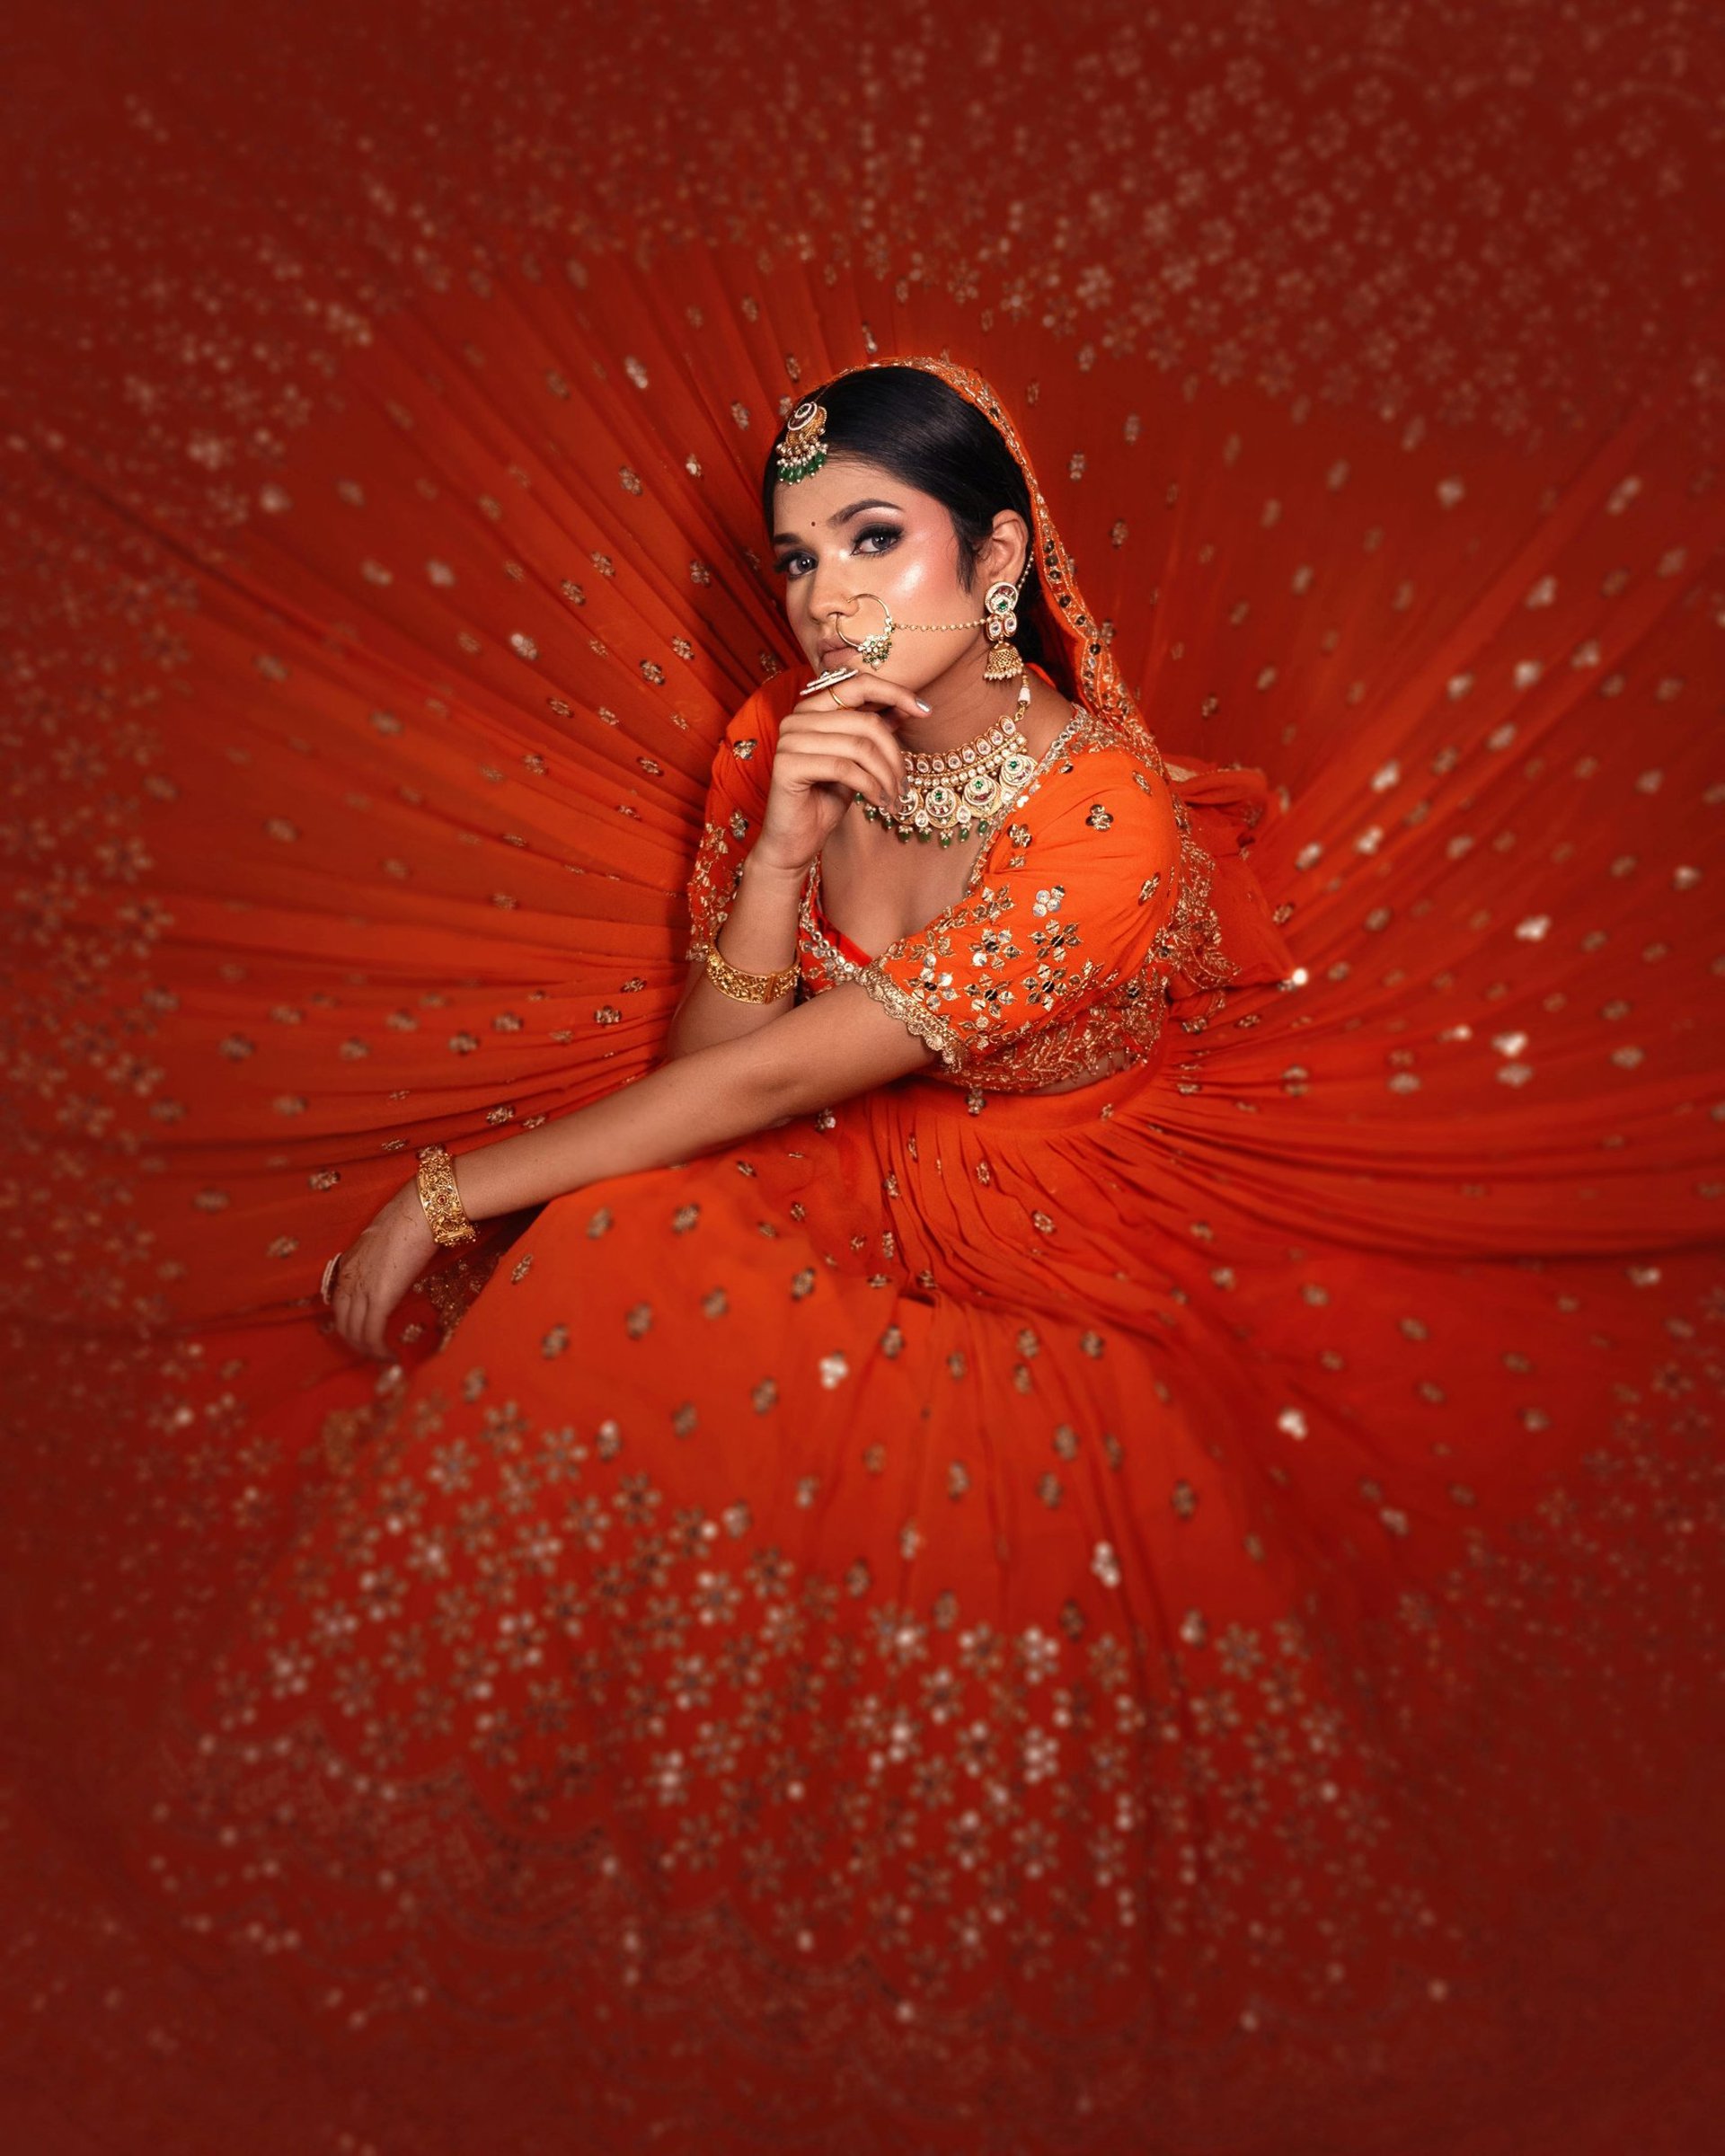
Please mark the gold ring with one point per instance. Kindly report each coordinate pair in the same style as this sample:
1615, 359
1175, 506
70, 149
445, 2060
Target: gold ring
329, 1275
838, 700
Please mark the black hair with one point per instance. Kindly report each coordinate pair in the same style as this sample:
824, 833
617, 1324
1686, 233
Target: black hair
917, 427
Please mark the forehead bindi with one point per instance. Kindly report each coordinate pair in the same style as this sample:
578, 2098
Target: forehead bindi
846, 514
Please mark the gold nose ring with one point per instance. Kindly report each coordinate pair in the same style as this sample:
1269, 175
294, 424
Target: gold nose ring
870, 649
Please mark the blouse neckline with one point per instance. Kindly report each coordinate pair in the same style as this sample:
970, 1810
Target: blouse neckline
852, 953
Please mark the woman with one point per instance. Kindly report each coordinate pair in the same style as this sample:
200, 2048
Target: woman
1049, 988
857, 1632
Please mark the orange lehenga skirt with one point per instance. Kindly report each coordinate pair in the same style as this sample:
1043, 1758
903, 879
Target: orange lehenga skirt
796, 1655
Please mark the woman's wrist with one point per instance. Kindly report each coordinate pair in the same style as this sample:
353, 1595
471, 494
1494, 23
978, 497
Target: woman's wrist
760, 923
408, 1203
437, 1201
758, 870
506, 1175
740, 986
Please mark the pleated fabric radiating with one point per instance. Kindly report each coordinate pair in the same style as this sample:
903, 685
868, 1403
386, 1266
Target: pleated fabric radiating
1234, 1669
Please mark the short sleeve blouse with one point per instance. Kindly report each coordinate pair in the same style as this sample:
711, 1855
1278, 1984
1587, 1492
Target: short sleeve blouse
1058, 953
1053, 958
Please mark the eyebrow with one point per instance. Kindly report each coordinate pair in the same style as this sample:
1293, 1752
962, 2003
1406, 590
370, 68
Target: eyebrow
835, 519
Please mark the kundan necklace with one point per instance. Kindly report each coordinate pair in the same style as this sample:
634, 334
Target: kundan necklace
961, 790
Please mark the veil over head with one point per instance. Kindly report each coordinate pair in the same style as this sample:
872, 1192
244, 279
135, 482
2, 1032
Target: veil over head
1221, 810
1085, 667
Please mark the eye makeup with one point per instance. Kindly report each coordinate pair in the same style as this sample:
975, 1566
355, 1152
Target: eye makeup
891, 533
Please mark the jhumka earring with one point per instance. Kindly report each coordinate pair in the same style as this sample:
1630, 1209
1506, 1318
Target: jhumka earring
1005, 661
802, 451
872, 649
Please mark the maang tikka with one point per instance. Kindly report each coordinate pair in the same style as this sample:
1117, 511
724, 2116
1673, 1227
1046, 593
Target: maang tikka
802, 451
799, 455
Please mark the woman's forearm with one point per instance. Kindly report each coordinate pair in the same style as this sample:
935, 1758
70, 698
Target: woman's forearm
837, 1045
758, 935
680, 1108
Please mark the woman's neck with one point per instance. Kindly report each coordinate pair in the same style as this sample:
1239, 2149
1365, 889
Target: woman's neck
963, 705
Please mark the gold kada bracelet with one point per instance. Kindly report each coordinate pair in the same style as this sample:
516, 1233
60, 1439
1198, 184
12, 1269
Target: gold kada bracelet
444, 1211
748, 987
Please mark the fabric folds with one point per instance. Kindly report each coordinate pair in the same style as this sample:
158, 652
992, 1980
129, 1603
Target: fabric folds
1180, 1614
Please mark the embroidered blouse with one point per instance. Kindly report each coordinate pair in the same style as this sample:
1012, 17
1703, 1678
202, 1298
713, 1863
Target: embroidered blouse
1085, 901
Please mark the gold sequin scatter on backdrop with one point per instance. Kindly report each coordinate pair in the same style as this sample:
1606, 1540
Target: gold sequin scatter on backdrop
1175, 1612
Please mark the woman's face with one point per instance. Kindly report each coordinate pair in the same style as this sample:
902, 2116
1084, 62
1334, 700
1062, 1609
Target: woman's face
851, 528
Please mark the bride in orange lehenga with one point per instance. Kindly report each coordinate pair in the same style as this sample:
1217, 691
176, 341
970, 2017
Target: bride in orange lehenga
1097, 1531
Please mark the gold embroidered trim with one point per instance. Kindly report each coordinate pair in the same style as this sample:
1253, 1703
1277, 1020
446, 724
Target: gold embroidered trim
1190, 942
712, 889
1119, 1016
929, 1028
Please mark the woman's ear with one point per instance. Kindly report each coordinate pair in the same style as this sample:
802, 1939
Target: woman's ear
1005, 549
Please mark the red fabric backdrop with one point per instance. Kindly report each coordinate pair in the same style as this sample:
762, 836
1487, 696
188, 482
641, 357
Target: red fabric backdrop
385, 397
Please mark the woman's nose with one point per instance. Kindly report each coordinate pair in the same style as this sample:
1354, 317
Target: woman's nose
830, 596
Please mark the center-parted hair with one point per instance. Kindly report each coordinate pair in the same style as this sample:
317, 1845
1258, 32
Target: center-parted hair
914, 426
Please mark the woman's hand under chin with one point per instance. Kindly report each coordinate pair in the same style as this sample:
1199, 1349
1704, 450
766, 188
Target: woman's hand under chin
377, 1268
832, 746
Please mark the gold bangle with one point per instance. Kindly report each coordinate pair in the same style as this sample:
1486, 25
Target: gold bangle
445, 1214
748, 987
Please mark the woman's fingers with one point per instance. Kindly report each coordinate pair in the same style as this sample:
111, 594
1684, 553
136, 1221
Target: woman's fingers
358, 1337
854, 734
858, 706
848, 749
377, 1268
844, 748
851, 718
871, 689
840, 738
814, 769
863, 692
361, 1322
349, 1303
811, 758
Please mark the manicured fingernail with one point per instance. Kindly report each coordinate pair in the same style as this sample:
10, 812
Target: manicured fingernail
921, 706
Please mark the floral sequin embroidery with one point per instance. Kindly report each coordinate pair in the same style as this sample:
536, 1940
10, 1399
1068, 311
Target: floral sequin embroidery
1056, 964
